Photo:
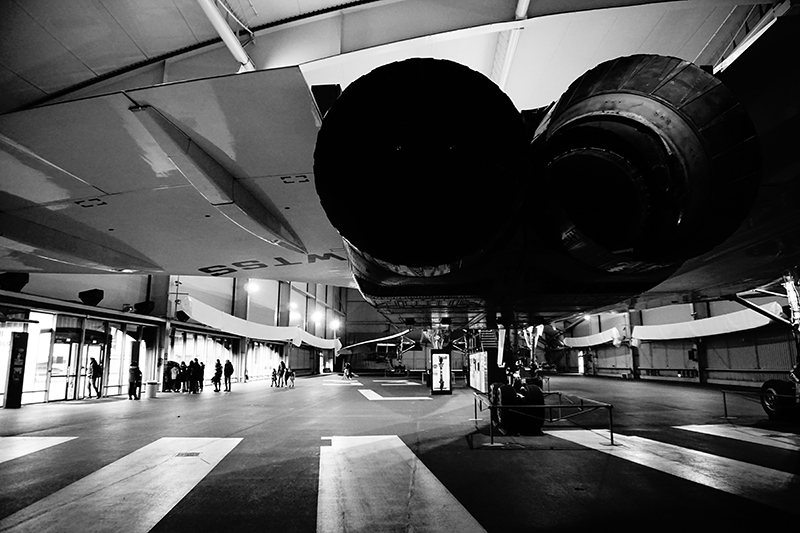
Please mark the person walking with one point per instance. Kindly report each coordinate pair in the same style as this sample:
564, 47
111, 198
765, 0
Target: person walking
94, 373
134, 381
274, 378
202, 377
228, 371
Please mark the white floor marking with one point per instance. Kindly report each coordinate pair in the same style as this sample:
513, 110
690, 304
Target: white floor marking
132, 494
758, 483
13, 447
376, 483
400, 384
370, 394
340, 383
786, 441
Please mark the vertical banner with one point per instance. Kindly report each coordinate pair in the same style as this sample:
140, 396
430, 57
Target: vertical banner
19, 348
440, 372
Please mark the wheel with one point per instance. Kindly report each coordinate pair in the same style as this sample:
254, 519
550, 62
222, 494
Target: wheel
777, 398
507, 419
531, 420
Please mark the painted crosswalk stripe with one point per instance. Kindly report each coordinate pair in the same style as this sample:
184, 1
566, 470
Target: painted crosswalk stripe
395, 382
757, 483
371, 395
376, 483
14, 447
786, 441
132, 494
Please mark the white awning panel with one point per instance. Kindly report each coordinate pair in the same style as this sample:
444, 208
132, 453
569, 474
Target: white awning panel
738, 321
609, 335
215, 318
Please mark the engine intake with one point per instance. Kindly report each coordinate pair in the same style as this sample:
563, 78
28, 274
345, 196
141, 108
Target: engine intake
408, 147
650, 161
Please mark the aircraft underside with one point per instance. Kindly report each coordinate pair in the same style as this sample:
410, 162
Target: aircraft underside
645, 162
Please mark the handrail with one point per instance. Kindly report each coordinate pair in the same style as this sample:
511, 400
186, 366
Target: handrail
586, 405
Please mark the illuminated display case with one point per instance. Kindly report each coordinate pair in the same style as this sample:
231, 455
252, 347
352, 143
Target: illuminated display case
440, 372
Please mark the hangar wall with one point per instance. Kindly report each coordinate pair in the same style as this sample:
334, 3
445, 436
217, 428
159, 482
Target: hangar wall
745, 358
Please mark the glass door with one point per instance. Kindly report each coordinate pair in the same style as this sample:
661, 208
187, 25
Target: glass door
94, 346
66, 349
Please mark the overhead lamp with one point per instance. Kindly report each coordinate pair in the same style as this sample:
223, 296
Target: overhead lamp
316, 317
335, 324
250, 287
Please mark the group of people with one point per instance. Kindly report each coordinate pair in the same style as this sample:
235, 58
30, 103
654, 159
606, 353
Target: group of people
190, 378
283, 376
185, 378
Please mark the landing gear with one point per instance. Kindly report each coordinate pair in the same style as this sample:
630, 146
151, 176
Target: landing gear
512, 414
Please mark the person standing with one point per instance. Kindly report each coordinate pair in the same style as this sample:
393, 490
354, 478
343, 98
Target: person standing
282, 374
134, 381
202, 378
217, 376
274, 378
94, 373
175, 372
183, 377
228, 371
194, 373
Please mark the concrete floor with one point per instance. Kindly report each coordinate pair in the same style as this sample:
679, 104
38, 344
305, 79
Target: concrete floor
267, 459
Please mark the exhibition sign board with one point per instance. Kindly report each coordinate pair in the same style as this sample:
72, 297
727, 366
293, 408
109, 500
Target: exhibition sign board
19, 347
478, 371
440, 372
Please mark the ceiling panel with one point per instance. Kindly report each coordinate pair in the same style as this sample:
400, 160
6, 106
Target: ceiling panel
30, 51
88, 31
156, 26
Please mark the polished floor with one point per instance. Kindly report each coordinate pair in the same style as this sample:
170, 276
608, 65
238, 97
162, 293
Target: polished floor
380, 454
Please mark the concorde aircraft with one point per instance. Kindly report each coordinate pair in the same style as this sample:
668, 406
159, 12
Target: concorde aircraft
484, 163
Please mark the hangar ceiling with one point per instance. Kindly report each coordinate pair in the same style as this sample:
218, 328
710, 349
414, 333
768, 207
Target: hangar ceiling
52, 51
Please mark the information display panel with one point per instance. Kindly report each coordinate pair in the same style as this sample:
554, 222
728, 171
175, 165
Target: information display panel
440, 372
478, 372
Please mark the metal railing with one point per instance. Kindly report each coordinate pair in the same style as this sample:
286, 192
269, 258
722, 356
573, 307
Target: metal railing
581, 406
751, 396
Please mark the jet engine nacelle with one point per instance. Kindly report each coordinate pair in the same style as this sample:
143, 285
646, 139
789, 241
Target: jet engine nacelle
430, 174
650, 161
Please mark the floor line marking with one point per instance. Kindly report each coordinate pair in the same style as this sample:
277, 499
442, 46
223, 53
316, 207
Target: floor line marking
150, 481
371, 395
376, 483
14, 447
776, 439
757, 483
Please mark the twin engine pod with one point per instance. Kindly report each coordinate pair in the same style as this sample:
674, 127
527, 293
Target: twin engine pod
424, 166
420, 164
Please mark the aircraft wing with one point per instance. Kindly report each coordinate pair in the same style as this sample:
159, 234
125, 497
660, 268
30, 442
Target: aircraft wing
213, 176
